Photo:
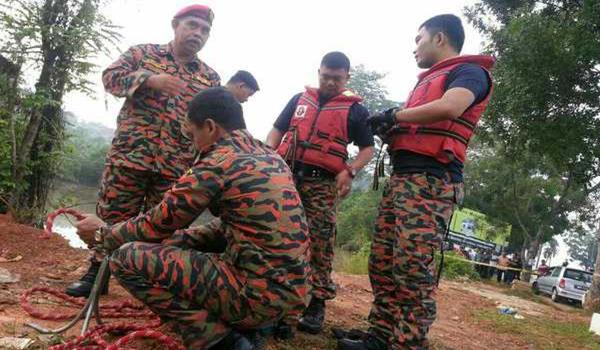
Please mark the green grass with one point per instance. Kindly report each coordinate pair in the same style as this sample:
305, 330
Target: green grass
351, 263
526, 294
542, 333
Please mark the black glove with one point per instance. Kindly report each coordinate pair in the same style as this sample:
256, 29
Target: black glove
382, 122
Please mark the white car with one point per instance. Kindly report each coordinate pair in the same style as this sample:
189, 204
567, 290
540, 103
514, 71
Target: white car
564, 283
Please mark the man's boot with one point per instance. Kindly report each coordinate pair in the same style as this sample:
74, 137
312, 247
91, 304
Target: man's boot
234, 341
369, 342
313, 317
83, 287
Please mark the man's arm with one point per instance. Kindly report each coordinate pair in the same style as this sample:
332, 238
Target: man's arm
282, 123
450, 106
466, 85
208, 237
179, 208
361, 135
274, 138
364, 156
122, 78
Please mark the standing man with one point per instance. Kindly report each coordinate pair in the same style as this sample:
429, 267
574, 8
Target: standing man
312, 134
543, 269
242, 85
242, 271
150, 151
503, 263
428, 142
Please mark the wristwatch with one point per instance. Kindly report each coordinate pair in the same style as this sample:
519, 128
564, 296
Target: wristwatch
100, 234
351, 171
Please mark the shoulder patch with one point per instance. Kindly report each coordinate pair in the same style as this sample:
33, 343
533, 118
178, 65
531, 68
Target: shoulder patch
300, 111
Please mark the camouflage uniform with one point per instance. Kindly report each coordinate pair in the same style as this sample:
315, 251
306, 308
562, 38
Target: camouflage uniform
149, 151
261, 273
413, 215
319, 200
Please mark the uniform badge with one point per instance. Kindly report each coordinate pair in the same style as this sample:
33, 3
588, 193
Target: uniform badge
300, 111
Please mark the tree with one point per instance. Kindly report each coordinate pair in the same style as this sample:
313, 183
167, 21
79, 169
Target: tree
57, 38
356, 216
367, 83
542, 122
583, 247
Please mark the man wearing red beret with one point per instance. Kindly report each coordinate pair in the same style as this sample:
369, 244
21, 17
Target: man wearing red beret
151, 150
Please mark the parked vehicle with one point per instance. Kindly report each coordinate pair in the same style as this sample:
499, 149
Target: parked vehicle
564, 283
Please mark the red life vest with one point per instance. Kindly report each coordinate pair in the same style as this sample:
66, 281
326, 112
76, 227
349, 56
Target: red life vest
318, 135
445, 140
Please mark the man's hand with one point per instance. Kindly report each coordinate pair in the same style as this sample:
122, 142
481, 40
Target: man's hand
382, 122
166, 83
343, 184
87, 227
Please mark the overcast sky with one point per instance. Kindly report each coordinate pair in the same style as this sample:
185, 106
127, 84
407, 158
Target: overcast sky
281, 43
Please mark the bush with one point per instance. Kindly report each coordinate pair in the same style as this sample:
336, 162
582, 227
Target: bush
354, 263
454, 268
356, 219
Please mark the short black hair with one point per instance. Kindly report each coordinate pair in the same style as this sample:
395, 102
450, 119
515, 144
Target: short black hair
219, 105
336, 60
242, 76
450, 25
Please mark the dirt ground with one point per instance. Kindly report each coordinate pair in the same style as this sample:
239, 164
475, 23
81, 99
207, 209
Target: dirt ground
52, 263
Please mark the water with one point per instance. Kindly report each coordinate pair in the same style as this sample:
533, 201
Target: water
69, 233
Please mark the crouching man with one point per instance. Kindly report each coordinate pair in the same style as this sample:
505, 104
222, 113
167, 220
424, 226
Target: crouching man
245, 270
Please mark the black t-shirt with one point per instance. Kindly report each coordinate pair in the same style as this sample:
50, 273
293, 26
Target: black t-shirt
359, 131
469, 76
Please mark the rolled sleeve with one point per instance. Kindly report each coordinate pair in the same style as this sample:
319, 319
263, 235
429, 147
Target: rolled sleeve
123, 78
180, 206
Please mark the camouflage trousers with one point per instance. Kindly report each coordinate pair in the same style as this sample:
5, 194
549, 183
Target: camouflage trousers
196, 292
412, 219
126, 192
319, 201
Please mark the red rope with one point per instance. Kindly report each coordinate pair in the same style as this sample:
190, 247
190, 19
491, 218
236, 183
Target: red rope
93, 338
54, 214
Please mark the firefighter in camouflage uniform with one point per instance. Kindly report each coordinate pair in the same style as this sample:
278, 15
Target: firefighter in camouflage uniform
312, 134
245, 270
150, 151
427, 140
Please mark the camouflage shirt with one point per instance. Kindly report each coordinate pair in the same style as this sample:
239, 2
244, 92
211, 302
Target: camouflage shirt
250, 188
149, 127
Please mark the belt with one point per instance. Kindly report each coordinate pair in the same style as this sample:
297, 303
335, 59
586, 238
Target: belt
302, 170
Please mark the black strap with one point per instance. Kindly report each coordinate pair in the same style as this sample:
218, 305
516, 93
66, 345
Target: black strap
433, 131
441, 267
306, 144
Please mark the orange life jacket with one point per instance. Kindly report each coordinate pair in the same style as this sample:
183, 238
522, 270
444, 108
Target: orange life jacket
318, 135
445, 140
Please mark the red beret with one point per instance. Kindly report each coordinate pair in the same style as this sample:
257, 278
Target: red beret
201, 11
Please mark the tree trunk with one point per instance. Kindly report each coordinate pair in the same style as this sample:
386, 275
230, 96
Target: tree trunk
592, 300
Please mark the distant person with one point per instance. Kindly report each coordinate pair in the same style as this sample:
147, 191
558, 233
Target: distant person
543, 269
151, 149
503, 263
242, 85
514, 263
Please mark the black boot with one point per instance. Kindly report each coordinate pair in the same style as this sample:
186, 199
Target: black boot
313, 317
369, 342
83, 287
234, 341
353, 334
283, 331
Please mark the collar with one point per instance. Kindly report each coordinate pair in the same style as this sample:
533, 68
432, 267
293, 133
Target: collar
166, 50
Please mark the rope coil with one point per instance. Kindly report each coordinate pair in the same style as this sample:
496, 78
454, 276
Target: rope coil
93, 339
